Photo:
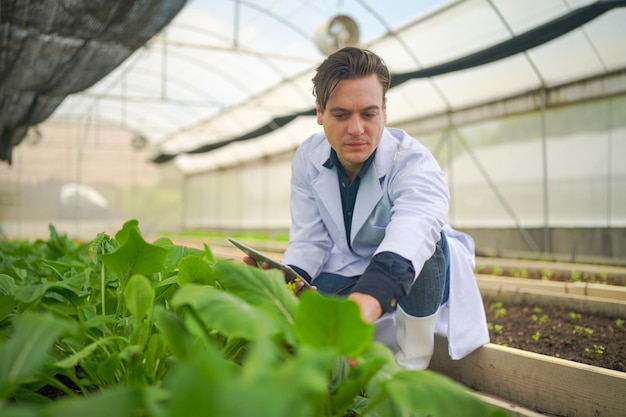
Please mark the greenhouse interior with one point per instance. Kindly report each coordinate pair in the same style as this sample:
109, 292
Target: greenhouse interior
137, 136
186, 115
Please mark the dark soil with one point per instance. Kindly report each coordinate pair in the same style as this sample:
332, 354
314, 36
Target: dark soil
557, 331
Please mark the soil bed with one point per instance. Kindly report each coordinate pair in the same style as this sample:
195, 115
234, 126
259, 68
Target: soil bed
554, 275
559, 332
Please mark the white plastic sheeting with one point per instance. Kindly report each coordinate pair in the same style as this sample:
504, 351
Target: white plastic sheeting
449, 33
224, 69
218, 54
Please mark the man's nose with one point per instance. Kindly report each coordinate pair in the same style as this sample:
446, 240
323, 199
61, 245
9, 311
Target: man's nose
356, 126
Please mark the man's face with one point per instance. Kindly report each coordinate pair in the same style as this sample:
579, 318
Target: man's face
354, 120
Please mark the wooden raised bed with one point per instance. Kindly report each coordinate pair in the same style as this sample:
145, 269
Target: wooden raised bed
541, 383
608, 300
538, 382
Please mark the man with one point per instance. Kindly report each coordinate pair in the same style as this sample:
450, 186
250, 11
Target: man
368, 209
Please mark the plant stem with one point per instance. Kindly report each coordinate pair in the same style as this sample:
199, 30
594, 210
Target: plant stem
102, 292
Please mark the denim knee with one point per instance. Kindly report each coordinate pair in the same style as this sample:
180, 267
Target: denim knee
432, 286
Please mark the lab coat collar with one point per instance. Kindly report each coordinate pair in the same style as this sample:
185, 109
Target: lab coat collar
370, 189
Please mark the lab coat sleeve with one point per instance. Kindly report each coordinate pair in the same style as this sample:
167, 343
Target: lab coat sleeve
309, 242
419, 208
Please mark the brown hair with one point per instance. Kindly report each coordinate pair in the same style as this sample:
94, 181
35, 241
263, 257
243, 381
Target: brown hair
347, 64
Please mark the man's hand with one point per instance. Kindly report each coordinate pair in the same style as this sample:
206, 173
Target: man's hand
370, 307
247, 259
299, 285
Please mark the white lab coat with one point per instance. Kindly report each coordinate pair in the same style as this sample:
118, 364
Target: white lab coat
401, 207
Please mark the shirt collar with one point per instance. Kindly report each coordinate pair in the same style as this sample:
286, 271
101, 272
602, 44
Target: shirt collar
333, 160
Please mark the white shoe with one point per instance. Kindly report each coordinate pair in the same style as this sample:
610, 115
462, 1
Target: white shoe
416, 340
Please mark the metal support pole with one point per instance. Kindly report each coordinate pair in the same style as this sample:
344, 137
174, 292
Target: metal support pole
544, 156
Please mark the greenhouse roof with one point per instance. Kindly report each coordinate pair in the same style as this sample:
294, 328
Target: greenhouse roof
228, 81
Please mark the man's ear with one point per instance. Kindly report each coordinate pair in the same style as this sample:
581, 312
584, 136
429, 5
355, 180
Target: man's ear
319, 112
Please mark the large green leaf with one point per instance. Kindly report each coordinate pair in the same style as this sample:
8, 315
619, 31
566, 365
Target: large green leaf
174, 331
300, 383
62, 247
264, 289
195, 269
377, 351
7, 284
73, 360
119, 402
175, 253
139, 297
124, 233
356, 382
207, 386
7, 303
434, 395
135, 256
70, 288
224, 312
333, 322
27, 351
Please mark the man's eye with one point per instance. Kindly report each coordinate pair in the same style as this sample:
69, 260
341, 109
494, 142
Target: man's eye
341, 116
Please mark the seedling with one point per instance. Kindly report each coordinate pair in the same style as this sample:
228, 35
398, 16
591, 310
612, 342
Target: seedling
596, 349
498, 309
581, 330
599, 278
520, 273
496, 328
604, 277
543, 319
619, 322
547, 274
536, 336
574, 316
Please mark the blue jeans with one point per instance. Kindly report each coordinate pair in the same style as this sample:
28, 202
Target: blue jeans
429, 291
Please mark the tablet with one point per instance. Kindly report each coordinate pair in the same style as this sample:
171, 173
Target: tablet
290, 274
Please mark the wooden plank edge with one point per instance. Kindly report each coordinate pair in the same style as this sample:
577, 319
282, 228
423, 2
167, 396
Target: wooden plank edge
512, 409
538, 382
577, 303
609, 292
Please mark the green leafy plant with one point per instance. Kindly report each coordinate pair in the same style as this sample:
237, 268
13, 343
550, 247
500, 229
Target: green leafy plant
547, 274
574, 316
498, 309
583, 331
619, 322
539, 318
520, 273
536, 336
123, 327
597, 350
498, 329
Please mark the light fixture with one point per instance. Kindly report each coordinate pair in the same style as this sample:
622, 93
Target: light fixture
336, 33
